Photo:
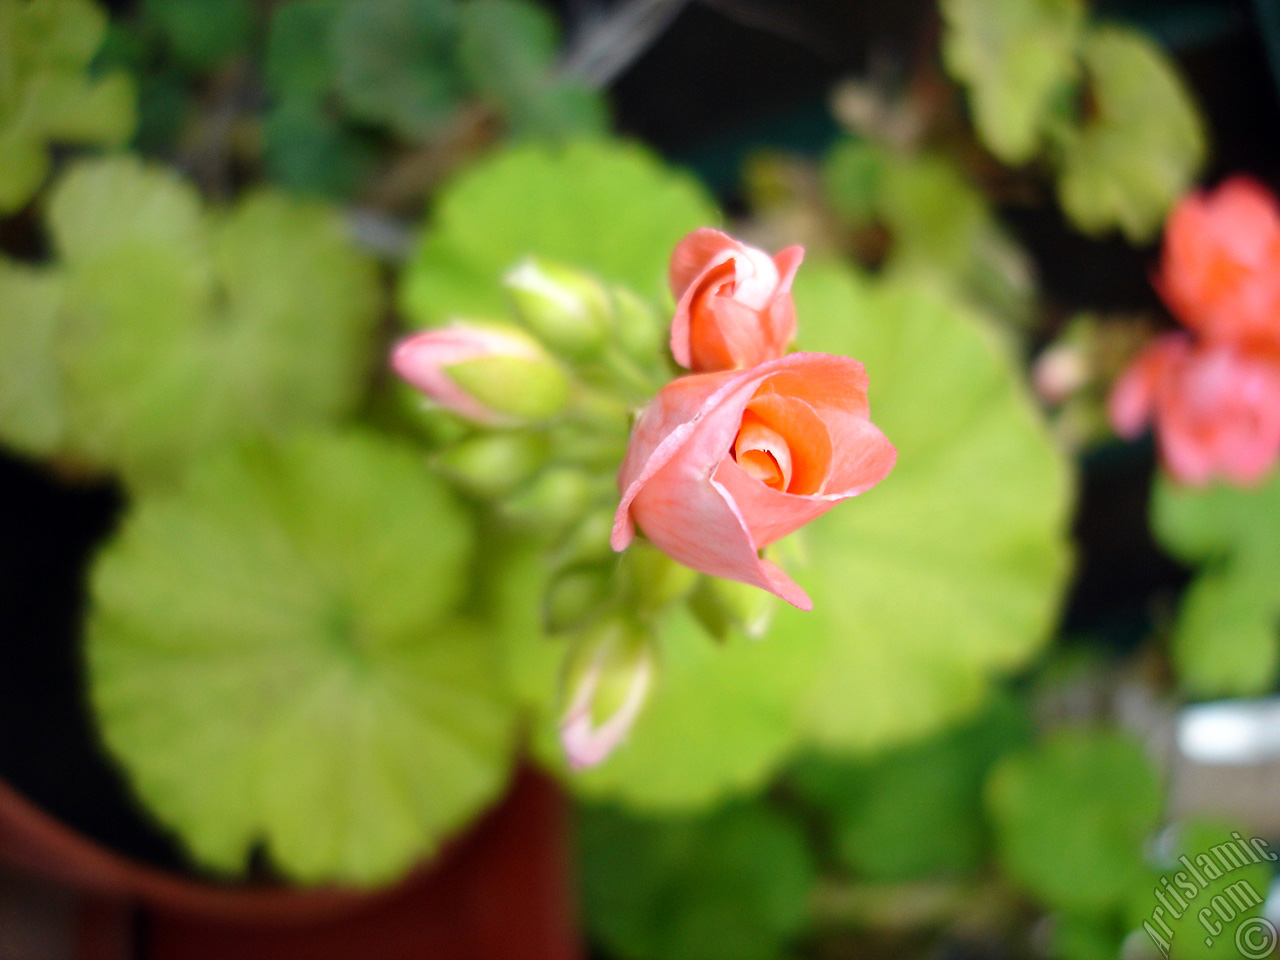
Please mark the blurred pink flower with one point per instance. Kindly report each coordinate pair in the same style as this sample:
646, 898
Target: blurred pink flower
720, 465
1220, 268
1216, 408
734, 306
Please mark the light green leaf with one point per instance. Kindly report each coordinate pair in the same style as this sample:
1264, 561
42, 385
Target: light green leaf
183, 329
396, 63
1142, 145
30, 390
275, 659
1225, 641
1014, 56
1074, 845
915, 812
950, 571
604, 206
732, 886
47, 94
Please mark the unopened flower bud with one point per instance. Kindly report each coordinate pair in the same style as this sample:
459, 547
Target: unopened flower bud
588, 540
1060, 372
488, 373
654, 580
607, 680
641, 333
575, 595
566, 309
726, 606
492, 465
558, 496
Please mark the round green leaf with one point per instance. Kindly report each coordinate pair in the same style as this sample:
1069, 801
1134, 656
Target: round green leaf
30, 390
184, 329
1075, 845
47, 94
951, 570
1142, 145
1225, 640
731, 886
1014, 56
396, 63
275, 659
603, 206
915, 812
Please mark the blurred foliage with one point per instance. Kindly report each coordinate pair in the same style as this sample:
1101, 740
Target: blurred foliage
275, 654
177, 328
48, 94
1103, 104
411, 67
733, 885
1200, 841
1072, 816
942, 232
1226, 638
1017, 57
1140, 144
914, 812
202, 33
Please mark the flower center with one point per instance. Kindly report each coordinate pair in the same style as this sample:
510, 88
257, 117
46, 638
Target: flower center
783, 443
763, 452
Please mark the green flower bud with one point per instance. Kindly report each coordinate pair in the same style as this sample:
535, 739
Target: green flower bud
556, 497
491, 465
575, 596
640, 332
518, 387
588, 541
724, 607
565, 308
607, 679
654, 580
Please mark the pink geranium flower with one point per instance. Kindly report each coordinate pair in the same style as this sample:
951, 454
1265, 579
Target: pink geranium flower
734, 306
720, 465
1216, 408
1220, 268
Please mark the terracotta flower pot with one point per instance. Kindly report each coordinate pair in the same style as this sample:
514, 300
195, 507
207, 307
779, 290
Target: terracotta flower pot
501, 892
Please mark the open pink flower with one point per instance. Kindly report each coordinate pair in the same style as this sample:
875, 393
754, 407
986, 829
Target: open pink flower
734, 306
720, 465
1216, 408
1220, 268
